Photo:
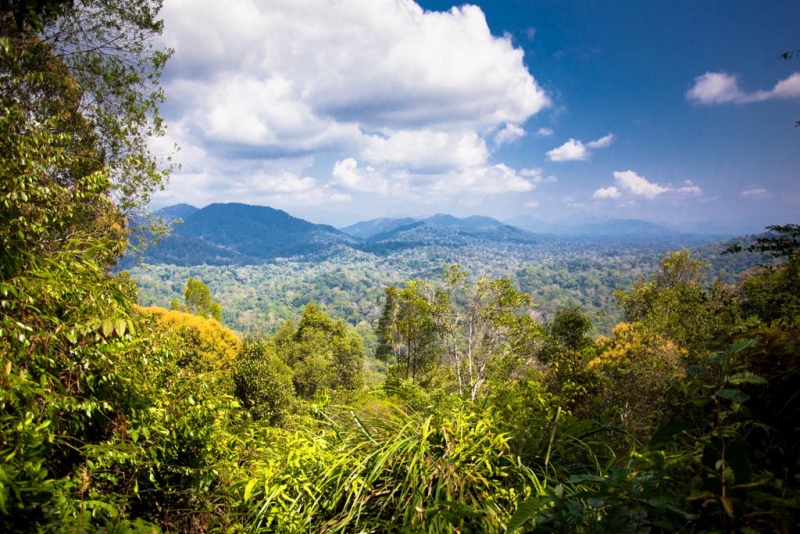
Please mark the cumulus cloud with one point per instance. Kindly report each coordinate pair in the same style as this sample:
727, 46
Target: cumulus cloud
425, 149
574, 150
509, 134
408, 92
545, 132
347, 174
603, 142
489, 179
754, 192
280, 183
721, 88
607, 192
639, 186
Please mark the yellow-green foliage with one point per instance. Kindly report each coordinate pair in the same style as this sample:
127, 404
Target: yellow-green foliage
636, 368
208, 345
405, 473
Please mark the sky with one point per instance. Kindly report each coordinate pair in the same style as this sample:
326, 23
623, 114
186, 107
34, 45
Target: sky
672, 111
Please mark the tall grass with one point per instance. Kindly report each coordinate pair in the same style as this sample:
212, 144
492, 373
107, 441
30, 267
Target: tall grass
404, 473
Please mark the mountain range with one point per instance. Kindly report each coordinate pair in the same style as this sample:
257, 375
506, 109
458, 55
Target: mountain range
227, 234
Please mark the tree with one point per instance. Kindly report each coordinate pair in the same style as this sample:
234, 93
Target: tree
565, 350
80, 95
109, 48
782, 241
676, 304
408, 330
206, 344
262, 382
322, 353
197, 300
490, 334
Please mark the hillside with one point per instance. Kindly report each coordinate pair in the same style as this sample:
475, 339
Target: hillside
371, 228
223, 234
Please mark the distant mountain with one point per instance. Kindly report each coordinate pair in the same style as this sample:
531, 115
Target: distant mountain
473, 223
628, 228
371, 228
240, 234
178, 211
222, 234
446, 231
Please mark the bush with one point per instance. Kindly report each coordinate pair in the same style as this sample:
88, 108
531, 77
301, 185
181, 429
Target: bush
263, 383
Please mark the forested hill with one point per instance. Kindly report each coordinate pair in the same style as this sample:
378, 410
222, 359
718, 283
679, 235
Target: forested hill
374, 229
224, 234
240, 234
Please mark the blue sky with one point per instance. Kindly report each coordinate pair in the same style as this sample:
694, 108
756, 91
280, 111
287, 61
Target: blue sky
674, 111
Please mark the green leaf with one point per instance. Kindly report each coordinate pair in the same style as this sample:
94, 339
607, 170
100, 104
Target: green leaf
108, 327
119, 326
745, 377
733, 395
727, 503
526, 511
248, 490
742, 344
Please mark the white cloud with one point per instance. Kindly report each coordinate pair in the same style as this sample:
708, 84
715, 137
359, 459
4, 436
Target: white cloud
489, 179
509, 134
788, 88
603, 142
715, 88
532, 204
425, 149
607, 192
572, 150
492, 179
545, 132
375, 63
347, 174
537, 177
754, 192
721, 88
638, 185
689, 189
415, 95
279, 183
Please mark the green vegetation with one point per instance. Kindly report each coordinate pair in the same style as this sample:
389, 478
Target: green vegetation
489, 418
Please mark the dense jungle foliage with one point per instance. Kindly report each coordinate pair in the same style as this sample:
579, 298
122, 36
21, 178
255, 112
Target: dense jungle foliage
118, 418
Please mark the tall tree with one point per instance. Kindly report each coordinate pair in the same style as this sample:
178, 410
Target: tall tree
486, 329
677, 304
197, 298
408, 330
323, 354
88, 72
